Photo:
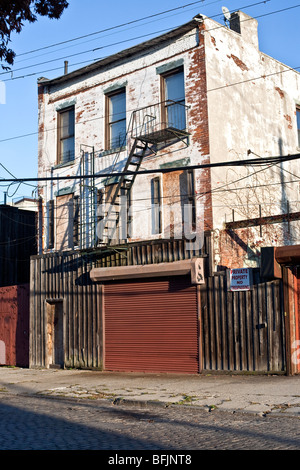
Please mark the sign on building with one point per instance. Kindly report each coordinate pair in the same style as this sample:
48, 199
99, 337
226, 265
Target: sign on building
197, 271
240, 279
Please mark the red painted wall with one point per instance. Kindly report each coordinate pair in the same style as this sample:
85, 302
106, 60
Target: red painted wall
14, 325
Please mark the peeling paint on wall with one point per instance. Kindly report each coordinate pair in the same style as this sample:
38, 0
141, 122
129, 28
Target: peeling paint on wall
238, 99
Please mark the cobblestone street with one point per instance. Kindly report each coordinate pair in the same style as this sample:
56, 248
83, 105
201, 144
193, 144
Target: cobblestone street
48, 423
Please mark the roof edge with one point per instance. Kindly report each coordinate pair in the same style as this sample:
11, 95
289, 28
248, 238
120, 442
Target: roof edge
123, 53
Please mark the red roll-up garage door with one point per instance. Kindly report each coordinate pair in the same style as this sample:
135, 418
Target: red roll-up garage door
151, 326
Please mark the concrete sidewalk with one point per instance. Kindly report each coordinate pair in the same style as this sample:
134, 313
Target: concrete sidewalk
260, 394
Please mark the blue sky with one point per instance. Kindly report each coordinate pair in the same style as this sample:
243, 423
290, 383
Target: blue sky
279, 37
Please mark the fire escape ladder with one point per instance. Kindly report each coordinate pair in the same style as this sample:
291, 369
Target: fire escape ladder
158, 124
110, 223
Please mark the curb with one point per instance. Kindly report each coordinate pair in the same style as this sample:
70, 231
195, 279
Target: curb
149, 404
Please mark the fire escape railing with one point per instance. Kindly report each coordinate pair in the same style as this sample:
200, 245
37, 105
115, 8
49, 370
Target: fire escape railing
161, 123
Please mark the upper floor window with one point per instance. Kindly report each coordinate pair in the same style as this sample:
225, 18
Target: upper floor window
173, 95
191, 199
116, 119
66, 135
64, 222
298, 124
156, 206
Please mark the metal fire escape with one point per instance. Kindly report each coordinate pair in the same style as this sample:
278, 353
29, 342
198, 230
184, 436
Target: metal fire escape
147, 131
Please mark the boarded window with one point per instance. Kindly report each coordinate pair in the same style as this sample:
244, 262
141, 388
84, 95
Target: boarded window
66, 135
64, 222
179, 203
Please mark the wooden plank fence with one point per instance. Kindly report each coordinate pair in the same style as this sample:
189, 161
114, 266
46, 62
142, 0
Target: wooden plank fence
243, 331
64, 278
240, 331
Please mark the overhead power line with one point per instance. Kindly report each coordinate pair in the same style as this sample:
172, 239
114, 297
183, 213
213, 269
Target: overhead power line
126, 40
114, 27
133, 22
288, 69
122, 25
234, 163
209, 90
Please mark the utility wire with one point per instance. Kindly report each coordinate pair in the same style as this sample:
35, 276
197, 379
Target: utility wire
113, 33
119, 42
210, 90
85, 52
116, 27
126, 40
288, 69
234, 163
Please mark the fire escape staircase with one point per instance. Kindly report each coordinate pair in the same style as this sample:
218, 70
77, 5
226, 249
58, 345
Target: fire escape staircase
146, 133
122, 190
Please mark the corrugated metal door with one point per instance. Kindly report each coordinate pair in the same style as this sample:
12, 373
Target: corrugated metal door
151, 326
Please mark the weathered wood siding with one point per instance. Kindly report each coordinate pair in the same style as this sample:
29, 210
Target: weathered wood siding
243, 331
64, 277
240, 331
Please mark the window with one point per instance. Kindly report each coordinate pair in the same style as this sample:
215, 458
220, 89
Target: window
100, 214
66, 135
126, 227
76, 220
173, 96
64, 222
51, 224
156, 206
191, 199
298, 124
116, 119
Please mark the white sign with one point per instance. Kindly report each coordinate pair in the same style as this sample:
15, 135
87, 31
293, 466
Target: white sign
2, 92
197, 271
240, 279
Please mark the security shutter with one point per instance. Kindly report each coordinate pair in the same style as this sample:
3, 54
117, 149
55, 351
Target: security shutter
151, 326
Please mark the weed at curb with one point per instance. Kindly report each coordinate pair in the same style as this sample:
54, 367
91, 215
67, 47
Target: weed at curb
187, 399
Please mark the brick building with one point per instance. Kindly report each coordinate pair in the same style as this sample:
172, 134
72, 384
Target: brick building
136, 211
